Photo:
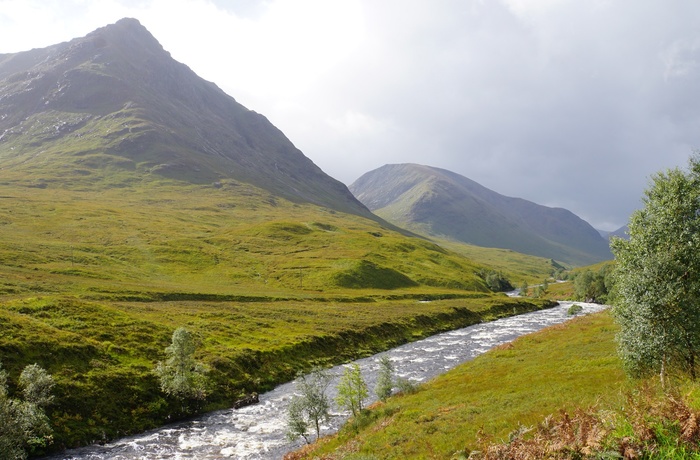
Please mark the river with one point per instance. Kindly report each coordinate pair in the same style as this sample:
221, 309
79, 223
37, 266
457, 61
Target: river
258, 431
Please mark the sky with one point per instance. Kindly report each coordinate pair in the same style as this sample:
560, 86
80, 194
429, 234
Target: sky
567, 103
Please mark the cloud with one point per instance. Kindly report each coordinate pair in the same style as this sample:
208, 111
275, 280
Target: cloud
562, 102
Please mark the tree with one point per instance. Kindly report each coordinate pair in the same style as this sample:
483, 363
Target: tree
657, 277
310, 406
523, 289
385, 378
37, 385
24, 424
495, 280
590, 286
181, 375
352, 390
297, 423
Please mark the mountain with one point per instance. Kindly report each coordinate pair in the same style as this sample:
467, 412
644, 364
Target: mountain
437, 202
621, 232
115, 101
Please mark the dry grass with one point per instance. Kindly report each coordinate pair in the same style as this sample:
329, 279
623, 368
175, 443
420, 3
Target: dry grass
650, 425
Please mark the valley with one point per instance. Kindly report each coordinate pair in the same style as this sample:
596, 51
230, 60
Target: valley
94, 283
137, 199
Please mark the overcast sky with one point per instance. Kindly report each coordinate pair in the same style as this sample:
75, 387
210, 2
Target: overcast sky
569, 103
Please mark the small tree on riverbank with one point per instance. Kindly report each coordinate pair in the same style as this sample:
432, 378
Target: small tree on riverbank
352, 390
310, 406
385, 378
181, 375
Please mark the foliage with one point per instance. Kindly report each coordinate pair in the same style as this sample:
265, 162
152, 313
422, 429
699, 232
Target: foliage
575, 309
297, 423
25, 426
181, 375
37, 385
541, 290
657, 277
385, 378
524, 289
406, 386
311, 406
593, 286
647, 426
352, 390
495, 280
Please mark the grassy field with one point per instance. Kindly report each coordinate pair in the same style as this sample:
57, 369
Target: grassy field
94, 279
563, 367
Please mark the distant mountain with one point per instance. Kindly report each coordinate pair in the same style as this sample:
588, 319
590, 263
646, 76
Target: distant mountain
79, 113
437, 202
621, 232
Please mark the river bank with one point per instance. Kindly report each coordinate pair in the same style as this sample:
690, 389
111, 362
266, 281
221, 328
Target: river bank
258, 432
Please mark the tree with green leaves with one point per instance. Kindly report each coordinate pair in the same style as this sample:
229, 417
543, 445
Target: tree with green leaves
385, 378
297, 423
181, 375
657, 277
24, 424
352, 390
592, 286
524, 288
310, 406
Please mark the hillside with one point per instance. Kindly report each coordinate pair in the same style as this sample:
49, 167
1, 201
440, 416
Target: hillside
437, 202
113, 106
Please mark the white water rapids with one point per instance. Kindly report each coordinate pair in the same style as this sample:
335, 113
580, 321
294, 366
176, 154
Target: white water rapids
258, 431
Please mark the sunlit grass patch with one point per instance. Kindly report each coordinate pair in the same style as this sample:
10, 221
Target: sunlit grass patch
563, 366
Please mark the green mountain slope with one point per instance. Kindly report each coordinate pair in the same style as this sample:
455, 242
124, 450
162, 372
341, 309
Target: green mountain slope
437, 202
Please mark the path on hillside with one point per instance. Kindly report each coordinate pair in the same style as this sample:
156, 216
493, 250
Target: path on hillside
258, 432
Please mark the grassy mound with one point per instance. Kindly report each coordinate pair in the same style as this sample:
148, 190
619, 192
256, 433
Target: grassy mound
366, 274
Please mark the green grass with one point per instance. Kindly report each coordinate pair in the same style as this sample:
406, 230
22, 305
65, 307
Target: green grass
94, 279
562, 367
101, 353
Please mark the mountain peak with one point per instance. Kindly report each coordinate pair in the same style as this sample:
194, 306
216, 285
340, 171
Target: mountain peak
127, 34
116, 99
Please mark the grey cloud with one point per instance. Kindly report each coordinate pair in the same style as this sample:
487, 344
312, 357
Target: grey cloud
573, 106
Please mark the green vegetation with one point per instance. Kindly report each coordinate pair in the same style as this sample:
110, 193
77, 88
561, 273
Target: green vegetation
521, 383
311, 406
527, 401
181, 375
352, 390
593, 286
573, 310
25, 426
385, 378
95, 281
658, 277
496, 280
